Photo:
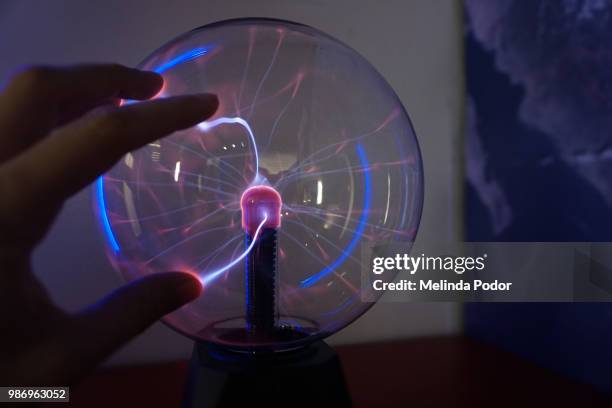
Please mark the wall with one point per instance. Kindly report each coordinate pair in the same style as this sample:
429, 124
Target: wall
416, 45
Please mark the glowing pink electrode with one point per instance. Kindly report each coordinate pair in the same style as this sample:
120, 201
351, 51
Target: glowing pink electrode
259, 203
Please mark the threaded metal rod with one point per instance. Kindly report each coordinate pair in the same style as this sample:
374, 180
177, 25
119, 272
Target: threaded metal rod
261, 283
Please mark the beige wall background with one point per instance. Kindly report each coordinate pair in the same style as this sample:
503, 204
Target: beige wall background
415, 44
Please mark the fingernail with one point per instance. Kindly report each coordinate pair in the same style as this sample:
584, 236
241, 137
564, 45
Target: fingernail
210, 102
153, 77
209, 98
150, 73
189, 287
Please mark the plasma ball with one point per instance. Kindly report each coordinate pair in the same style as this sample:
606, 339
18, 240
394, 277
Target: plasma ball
200, 201
259, 203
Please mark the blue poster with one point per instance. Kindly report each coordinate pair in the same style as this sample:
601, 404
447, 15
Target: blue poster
538, 150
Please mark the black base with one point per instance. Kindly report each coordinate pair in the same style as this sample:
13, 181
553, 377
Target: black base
311, 377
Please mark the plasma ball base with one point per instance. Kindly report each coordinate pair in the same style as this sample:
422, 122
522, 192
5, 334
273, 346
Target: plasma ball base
307, 377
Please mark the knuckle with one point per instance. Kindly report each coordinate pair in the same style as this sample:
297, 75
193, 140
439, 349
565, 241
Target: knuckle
114, 68
108, 78
12, 209
34, 78
8, 189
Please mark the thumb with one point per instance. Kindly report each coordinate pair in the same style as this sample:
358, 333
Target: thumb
102, 328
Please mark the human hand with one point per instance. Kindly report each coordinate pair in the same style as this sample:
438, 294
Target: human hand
60, 128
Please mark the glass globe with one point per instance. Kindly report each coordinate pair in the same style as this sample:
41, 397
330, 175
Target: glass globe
327, 154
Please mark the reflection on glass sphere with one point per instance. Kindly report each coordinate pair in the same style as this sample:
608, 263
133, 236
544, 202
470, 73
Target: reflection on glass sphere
305, 116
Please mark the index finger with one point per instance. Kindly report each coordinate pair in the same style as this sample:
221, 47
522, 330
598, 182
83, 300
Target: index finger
76, 154
40, 98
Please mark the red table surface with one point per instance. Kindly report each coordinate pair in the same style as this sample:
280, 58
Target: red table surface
426, 372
